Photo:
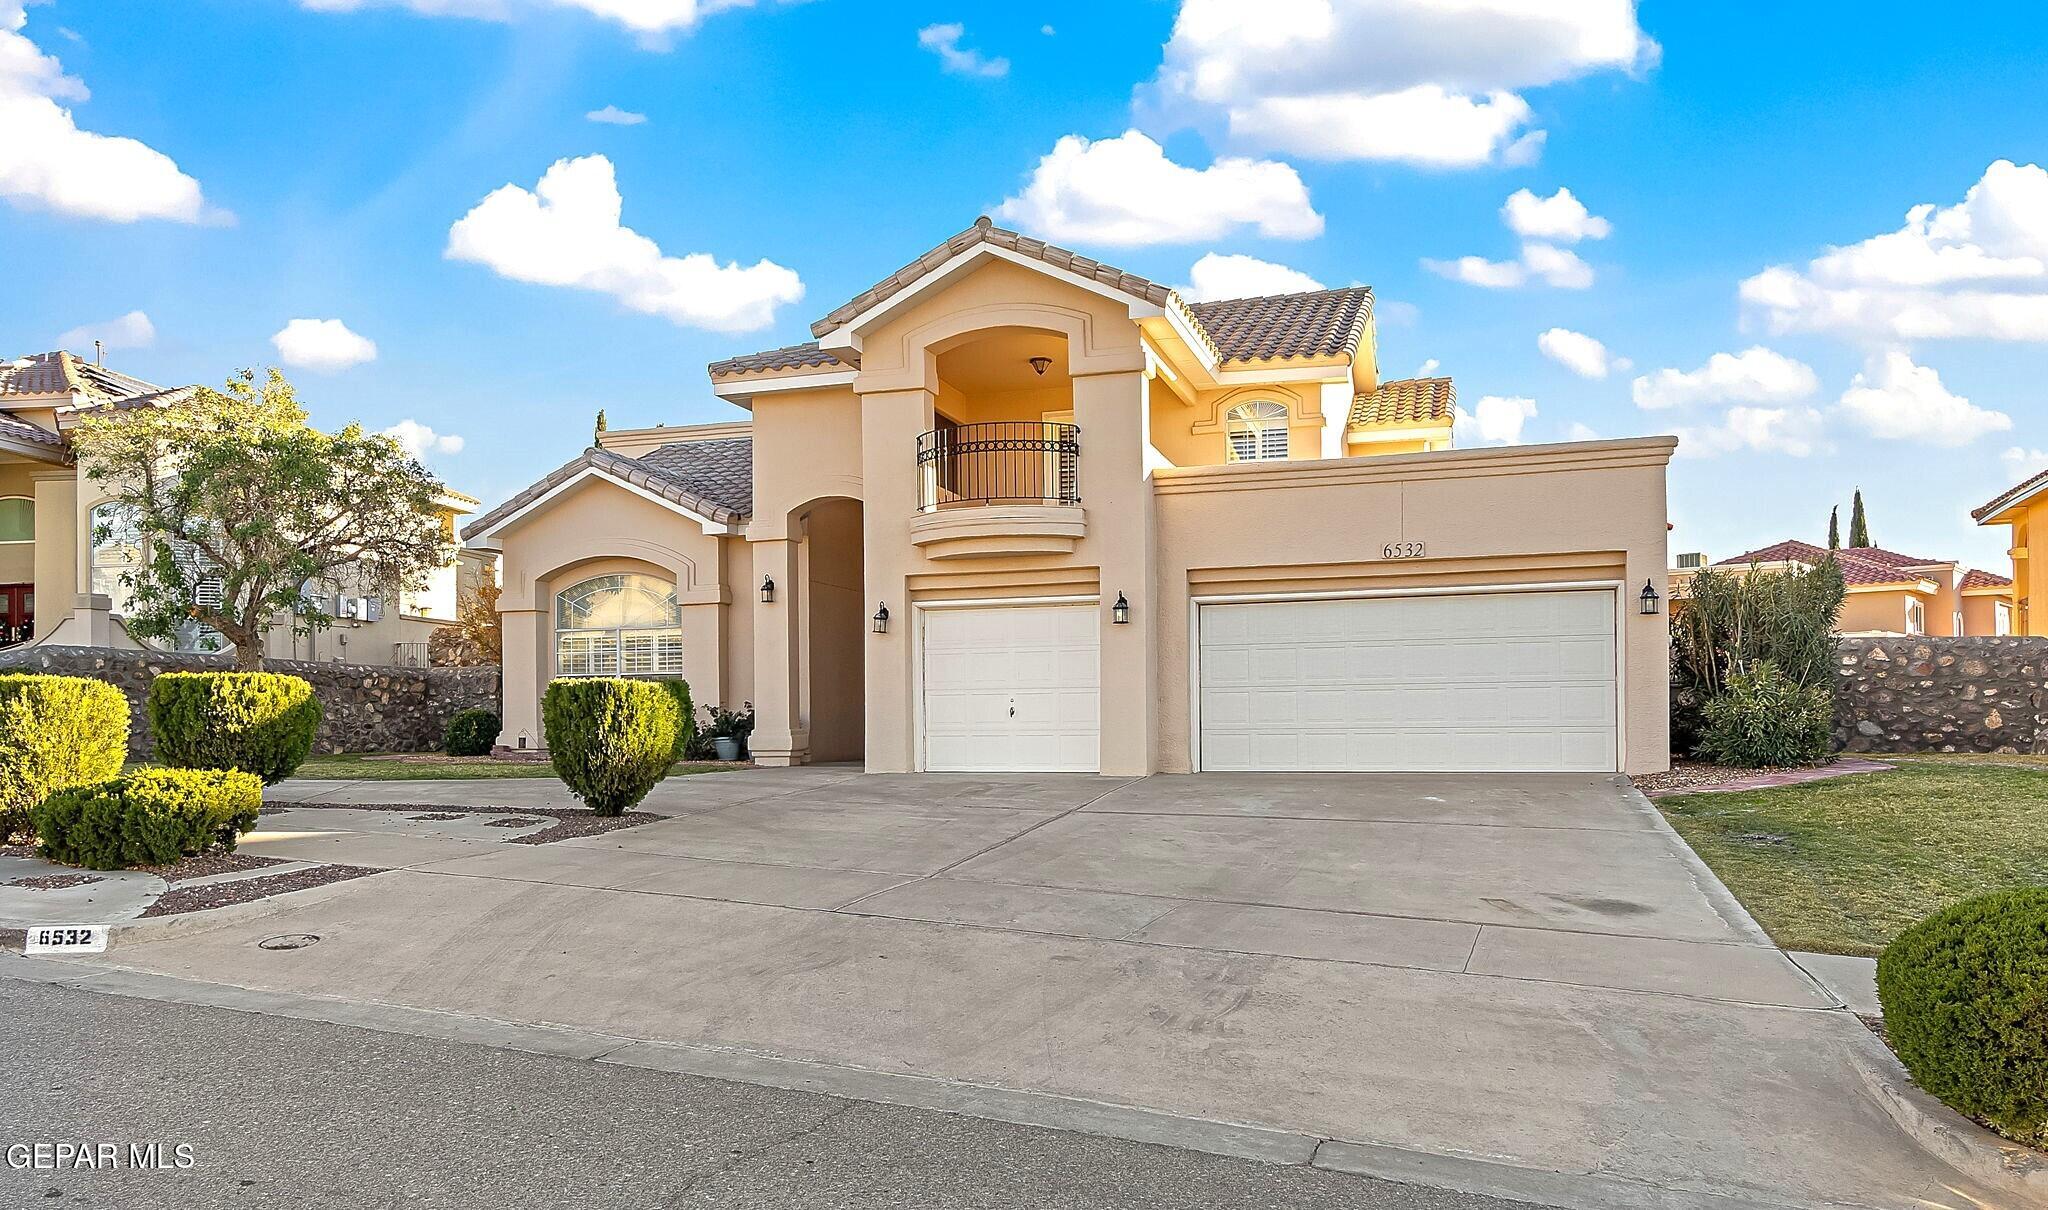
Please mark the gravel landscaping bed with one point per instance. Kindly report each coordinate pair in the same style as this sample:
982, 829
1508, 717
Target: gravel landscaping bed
54, 882
248, 890
208, 864
1697, 775
568, 824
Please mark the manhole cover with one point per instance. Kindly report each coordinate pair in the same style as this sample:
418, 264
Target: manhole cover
289, 941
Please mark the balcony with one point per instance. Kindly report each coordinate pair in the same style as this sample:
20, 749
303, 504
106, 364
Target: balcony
1009, 487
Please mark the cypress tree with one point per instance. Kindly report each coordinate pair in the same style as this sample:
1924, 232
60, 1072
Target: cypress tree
1859, 529
598, 436
1835, 528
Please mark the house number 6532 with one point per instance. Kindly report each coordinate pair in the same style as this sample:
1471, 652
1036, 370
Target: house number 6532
1401, 550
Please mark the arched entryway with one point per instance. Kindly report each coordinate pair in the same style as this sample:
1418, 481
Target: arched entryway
834, 638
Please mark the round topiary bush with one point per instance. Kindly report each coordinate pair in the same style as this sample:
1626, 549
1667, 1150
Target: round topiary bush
1764, 719
610, 739
1965, 995
150, 817
258, 722
472, 733
55, 732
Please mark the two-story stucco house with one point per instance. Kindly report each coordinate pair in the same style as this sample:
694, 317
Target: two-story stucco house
1015, 509
64, 548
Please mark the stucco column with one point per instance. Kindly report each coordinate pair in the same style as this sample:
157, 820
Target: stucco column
890, 424
1116, 489
57, 548
526, 671
780, 737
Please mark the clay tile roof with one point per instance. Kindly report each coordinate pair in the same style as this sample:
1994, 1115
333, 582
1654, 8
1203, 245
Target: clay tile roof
1319, 323
2010, 496
38, 374
61, 373
789, 357
1859, 564
1406, 401
12, 429
1974, 578
714, 478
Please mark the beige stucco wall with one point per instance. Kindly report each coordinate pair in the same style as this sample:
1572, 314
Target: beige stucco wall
1577, 514
1884, 612
1980, 614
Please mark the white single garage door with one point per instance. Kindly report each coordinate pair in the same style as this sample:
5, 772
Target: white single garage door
1012, 689
1499, 681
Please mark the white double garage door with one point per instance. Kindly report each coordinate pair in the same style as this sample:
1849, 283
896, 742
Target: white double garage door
1481, 681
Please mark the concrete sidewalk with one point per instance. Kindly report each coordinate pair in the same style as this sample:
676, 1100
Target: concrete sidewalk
1531, 973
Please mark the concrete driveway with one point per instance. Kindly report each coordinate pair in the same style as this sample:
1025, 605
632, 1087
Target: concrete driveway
1501, 979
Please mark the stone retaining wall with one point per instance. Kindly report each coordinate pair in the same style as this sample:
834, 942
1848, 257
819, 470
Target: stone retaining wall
1899, 693
369, 709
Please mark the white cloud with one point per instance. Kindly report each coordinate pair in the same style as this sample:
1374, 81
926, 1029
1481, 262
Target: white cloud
2022, 463
1216, 276
1559, 218
419, 440
612, 115
1432, 84
944, 41
1795, 432
1579, 430
1494, 420
566, 232
1579, 353
324, 346
1047, 30
1125, 192
1540, 264
1427, 368
130, 331
653, 20
47, 162
1755, 375
1898, 400
1976, 269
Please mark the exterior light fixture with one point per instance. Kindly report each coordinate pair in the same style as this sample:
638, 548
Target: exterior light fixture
767, 588
1646, 601
1120, 613
1041, 364
882, 619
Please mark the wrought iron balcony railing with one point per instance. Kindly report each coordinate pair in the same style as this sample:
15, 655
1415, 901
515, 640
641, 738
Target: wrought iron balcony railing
1002, 462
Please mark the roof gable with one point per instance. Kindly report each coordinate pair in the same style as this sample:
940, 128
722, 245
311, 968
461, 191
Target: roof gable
710, 480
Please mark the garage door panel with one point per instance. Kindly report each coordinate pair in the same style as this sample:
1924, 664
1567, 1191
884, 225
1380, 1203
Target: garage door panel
1011, 689
1505, 681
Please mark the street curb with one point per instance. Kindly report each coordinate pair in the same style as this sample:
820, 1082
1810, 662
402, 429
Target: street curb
1053, 1111
1961, 1143
142, 929
1717, 894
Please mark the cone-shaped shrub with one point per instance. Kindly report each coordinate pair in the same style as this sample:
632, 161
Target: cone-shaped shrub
55, 732
610, 739
150, 817
258, 722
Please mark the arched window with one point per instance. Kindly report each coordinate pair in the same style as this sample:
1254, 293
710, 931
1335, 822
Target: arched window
17, 519
116, 551
623, 625
1258, 432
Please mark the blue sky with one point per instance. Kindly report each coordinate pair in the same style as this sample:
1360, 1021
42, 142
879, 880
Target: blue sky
308, 160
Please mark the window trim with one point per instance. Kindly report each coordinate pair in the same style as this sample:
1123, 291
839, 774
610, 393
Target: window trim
1914, 606
1273, 417
660, 644
31, 539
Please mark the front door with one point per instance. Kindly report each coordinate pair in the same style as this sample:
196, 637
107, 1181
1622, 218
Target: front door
17, 613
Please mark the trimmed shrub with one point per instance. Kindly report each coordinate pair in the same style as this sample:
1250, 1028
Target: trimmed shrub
258, 722
686, 715
611, 740
1965, 995
472, 732
1763, 719
150, 817
55, 732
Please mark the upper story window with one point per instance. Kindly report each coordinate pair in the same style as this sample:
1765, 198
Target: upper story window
623, 625
1257, 432
2001, 618
17, 519
116, 551
1916, 618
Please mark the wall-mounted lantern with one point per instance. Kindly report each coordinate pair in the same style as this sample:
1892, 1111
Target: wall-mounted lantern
767, 589
1646, 601
882, 619
1120, 613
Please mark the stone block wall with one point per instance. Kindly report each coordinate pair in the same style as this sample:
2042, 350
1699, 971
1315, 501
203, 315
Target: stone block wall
369, 709
1900, 693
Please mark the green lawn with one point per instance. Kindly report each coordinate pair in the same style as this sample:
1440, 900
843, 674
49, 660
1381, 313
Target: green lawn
1841, 866
359, 767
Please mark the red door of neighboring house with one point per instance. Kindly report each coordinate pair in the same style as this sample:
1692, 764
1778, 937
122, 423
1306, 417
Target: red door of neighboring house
17, 613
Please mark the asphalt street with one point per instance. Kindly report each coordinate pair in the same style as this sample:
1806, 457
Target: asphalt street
279, 1112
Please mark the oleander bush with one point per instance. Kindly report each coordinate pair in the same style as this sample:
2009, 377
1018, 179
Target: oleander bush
258, 722
610, 739
1965, 996
1764, 719
1731, 620
55, 732
150, 817
472, 732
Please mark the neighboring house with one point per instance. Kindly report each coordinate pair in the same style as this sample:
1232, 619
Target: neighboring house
60, 575
1887, 592
2024, 507
1018, 510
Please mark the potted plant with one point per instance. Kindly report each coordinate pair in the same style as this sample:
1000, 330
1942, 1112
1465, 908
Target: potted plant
728, 730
